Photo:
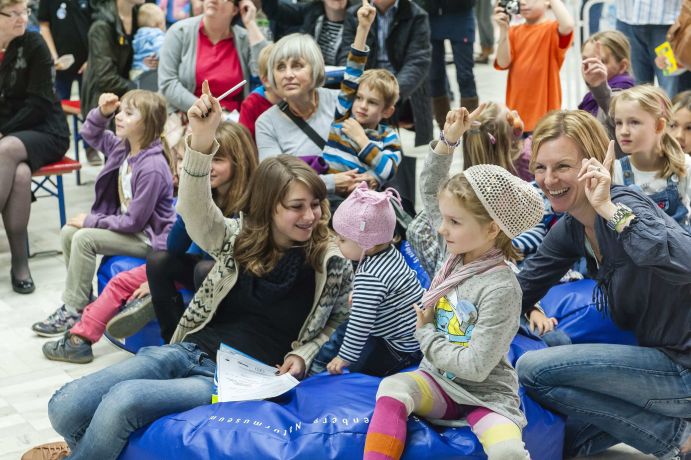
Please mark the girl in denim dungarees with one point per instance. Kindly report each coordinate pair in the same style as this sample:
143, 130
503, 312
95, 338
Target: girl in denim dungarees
655, 164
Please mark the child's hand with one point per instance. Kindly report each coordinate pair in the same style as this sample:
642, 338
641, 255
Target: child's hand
204, 116
541, 324
77, 221
514, 120
366, 15
502, 19
424, 315
248, 11
662, 62
356, 132
141, 291
108, 103
336, 365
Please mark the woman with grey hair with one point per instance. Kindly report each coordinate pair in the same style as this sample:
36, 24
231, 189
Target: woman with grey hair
209, 47
33, 131
300, 125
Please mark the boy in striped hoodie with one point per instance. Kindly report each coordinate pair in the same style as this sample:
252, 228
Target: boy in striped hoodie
358, 140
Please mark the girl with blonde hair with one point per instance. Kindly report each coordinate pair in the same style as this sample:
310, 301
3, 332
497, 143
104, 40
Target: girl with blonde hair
655, 164
610, 393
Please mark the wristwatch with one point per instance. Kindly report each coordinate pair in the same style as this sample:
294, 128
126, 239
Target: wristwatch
621, 213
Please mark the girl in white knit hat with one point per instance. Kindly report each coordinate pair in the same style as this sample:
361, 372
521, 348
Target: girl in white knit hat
469, 316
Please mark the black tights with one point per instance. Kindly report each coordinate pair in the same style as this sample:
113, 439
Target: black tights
15, 201
163, 270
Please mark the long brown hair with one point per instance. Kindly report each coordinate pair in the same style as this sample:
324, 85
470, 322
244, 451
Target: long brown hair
255, 249
490, 141
237, 146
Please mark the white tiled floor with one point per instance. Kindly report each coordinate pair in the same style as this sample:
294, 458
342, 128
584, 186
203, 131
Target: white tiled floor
27, 379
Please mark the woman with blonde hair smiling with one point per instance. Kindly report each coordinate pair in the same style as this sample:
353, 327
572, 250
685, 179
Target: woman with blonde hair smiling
639, 395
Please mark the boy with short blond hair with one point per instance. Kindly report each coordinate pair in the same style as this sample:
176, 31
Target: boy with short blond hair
358, 139
533, 53
262, 98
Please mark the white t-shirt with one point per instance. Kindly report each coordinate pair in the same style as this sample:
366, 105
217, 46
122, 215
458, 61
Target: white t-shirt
650, 183
125, 185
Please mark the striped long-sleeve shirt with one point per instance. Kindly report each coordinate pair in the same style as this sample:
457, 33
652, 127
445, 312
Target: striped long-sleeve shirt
382, 155
384, 290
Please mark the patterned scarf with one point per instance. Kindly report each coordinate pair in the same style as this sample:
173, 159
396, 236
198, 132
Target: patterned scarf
454, 272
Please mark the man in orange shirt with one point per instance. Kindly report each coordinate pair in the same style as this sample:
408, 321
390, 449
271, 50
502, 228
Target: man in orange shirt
533, 52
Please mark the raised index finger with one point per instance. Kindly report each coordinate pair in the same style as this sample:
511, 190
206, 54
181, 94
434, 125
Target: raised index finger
365, 3
205, 88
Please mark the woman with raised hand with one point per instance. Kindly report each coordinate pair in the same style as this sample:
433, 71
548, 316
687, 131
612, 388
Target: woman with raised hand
278, 290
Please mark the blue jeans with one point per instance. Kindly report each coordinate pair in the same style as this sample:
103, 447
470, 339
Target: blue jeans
460, 31
97, 413
612, 394
377, 358
644, 39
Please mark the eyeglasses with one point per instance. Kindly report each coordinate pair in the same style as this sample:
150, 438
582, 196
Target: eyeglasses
17, 14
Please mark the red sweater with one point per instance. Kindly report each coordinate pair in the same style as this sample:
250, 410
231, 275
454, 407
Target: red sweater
254, 105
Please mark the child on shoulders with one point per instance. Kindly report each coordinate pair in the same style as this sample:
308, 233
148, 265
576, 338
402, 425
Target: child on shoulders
378, 337
358, 140
533, 53
469, 316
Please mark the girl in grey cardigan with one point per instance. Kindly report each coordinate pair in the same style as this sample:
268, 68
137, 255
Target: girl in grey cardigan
470, 314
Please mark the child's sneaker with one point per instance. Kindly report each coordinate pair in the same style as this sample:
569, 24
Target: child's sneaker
57, 323
134, 316
70, 348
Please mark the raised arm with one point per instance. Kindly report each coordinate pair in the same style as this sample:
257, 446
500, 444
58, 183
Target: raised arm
503, 57
204, 221
566, 23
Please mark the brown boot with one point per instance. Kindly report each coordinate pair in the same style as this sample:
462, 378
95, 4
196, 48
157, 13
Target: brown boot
483, 57
470, 103
441, 106
50, 451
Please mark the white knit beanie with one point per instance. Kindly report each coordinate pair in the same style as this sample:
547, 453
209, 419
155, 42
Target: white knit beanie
510, 201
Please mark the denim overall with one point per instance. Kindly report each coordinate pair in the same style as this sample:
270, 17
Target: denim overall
668, 199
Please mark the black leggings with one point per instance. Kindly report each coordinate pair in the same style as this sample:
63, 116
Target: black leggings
163, 270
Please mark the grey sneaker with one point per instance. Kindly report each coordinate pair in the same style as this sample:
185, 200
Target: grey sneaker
134, 316
57, 323
70, 348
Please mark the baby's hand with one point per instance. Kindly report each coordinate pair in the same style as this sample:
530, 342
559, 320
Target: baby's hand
108, 103
336, 365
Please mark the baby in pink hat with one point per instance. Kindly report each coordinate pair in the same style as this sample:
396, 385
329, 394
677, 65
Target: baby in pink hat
378, 336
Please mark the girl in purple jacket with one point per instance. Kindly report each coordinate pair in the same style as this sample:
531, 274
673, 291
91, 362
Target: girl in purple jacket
133, 210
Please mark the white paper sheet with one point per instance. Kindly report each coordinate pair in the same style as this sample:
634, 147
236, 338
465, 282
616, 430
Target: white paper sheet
241, 378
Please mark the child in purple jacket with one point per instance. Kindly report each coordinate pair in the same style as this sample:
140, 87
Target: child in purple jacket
133, 210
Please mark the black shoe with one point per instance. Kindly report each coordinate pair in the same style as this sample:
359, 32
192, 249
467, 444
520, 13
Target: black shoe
22, 286
70, 349
133, 316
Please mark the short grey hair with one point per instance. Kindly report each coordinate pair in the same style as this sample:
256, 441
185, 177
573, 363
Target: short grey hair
5, 3
298, 46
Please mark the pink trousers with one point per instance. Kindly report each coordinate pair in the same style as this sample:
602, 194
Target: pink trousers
97, 314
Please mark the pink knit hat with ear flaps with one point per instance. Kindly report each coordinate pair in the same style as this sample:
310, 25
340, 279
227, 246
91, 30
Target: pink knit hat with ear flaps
367, 217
